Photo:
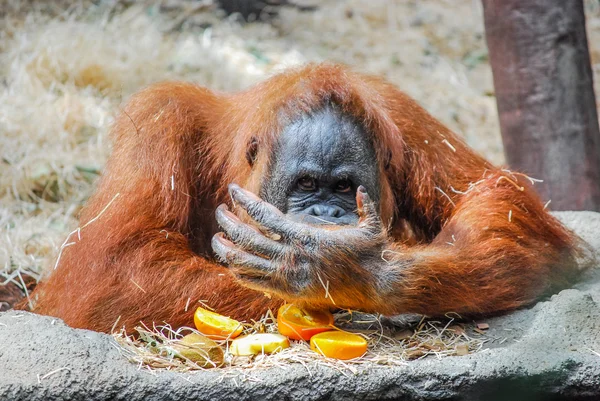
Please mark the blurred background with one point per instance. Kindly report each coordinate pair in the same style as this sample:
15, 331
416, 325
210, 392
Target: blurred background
66, 67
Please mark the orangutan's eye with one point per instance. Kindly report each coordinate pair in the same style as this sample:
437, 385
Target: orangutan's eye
307, 184
343, 186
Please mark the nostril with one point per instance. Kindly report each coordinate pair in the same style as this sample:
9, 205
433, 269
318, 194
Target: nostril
315, 210
336, 211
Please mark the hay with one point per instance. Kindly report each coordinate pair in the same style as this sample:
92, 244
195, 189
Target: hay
153, 349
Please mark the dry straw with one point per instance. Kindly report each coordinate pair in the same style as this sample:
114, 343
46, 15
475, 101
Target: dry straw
152, 348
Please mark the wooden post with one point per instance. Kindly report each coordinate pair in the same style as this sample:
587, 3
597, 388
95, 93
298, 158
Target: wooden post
544, 89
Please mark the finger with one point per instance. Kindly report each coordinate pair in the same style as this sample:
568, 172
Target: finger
267, 215
367, 210
242, 261
246, 236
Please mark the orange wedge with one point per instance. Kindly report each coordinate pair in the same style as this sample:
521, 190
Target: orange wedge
215, 326
339, 345
301, 324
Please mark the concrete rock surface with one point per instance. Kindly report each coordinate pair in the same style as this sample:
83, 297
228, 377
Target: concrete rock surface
553, 353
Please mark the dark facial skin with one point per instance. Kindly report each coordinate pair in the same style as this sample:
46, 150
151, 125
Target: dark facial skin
317, 166
316, 222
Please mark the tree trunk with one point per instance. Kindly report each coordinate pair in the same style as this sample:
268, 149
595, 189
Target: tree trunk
544, 89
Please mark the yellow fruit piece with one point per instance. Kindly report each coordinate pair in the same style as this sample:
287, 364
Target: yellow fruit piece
339, 344
215, 326
199, 349
301, 324
259, 343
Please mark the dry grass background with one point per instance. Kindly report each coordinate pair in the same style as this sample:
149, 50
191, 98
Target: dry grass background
67, 67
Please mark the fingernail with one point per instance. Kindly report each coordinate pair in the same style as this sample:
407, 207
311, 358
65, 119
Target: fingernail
250, 195
231, 216
221, 238
231, 188
361, 189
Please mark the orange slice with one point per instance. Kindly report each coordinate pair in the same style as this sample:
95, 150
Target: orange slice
259, 343
215, 326
301, 324
339, 344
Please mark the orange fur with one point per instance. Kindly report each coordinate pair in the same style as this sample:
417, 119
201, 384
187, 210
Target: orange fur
177, 146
